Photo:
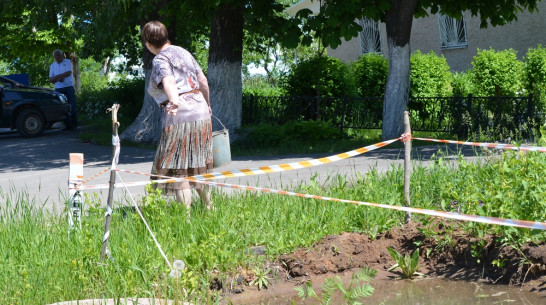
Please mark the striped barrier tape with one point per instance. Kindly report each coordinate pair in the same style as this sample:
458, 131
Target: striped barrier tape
291, 166
450, 215
93, 177
490, 145
250, 171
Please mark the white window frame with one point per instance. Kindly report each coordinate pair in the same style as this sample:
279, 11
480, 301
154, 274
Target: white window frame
452, 32
370, 36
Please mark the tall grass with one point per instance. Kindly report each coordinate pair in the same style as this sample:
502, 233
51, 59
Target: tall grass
42, 263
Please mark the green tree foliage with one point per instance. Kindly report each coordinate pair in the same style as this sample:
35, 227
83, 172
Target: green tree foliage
319, 76
535, 73
429, 75
497, 73
31, 29
4, 68
370, 73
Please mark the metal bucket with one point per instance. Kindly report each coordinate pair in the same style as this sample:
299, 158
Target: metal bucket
220, 146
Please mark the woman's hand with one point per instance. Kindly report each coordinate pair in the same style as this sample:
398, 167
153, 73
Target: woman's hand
172, 107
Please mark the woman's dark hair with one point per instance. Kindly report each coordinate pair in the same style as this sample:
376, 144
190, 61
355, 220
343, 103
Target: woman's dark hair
155, 33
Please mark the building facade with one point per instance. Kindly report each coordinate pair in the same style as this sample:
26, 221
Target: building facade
457, 40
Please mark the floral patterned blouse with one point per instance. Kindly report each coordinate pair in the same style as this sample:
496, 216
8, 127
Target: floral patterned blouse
178, 62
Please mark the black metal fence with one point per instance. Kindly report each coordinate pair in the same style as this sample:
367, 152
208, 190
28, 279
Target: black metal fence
459, 115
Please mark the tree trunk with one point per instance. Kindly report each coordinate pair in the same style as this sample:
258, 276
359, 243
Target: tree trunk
398, 21
75, 71
106, 66
224, 67
147, 126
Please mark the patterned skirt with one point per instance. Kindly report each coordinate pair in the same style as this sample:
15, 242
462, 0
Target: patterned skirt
184, 150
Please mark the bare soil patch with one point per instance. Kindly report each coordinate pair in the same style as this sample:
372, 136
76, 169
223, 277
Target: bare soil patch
441, 255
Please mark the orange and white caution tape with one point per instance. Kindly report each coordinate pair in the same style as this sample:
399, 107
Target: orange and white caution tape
250, 171
405, 137
291, 166
295, 165
450, 215
93, 177
490, 145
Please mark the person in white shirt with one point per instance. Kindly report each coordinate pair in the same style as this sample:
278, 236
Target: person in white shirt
60, 73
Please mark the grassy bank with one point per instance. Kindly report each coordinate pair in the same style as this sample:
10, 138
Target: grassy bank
42, 264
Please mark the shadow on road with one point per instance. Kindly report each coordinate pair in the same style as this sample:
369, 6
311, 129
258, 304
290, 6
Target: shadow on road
51, 151
419, 153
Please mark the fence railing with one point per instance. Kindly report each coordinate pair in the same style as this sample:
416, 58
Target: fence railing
459, 115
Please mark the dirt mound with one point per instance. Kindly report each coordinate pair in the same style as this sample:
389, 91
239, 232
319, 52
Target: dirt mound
450, 255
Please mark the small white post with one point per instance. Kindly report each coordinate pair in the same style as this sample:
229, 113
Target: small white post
407, 163
75, 177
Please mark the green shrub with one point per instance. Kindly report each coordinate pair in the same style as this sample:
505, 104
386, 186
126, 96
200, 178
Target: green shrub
91, 75
497, 73
324, 76
129, 93
370, 73
429, 75
462, 84
534, 71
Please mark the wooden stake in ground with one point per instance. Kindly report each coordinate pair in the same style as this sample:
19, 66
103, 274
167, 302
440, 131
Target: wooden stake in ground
407, 162
115, 153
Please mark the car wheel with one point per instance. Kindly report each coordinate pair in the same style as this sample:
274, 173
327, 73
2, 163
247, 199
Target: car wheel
30, 123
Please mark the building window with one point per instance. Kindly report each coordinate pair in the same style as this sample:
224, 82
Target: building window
370, 37
452, 32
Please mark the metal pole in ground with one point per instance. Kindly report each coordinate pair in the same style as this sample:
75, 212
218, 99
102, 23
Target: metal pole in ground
407, 162
115, 153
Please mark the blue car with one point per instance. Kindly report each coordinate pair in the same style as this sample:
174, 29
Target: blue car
30, 110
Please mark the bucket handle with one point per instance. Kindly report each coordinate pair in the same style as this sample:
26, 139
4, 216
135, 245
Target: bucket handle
219, 121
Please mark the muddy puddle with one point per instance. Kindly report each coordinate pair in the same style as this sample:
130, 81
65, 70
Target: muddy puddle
415, 292
443, 292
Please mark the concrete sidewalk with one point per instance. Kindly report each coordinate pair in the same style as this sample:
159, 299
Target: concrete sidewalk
39, 167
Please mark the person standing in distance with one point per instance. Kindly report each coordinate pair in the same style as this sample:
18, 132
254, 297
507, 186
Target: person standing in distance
180, 88
60, 73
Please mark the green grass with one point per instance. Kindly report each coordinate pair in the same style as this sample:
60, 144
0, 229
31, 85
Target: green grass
42, 264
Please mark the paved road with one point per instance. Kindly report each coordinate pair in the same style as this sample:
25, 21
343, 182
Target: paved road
39, 167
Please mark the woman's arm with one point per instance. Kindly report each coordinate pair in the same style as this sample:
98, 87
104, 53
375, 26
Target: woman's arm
169, 85
204, 88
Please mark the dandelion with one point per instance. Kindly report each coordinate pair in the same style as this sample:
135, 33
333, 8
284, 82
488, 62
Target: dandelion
179, 265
